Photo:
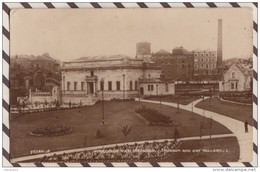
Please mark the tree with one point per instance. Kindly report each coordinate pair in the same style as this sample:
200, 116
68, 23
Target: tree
126, 130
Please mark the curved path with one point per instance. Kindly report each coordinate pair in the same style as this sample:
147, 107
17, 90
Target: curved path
245, 140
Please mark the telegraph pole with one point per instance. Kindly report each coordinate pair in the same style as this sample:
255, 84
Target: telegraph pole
102, 87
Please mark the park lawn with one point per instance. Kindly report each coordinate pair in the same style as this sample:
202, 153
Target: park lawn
236, 111
171, 99
85, 122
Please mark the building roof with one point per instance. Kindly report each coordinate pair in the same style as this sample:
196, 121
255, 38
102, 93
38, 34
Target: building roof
180, 51
207, 50
162, 52
244, 69
104, 57
43, 57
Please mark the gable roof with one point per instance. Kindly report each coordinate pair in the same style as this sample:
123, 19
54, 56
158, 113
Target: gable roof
246, 71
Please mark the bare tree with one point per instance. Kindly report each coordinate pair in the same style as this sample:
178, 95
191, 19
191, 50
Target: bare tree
126, 130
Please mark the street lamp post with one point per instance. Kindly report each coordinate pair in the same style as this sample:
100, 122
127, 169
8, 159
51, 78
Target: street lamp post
210, 124
157, 89
178, 104
102, 87
192, 115
123, 86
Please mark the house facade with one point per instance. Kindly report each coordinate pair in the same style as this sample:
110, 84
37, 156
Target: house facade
237, 78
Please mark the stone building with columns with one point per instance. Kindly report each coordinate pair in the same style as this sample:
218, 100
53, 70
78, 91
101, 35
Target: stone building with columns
82, 78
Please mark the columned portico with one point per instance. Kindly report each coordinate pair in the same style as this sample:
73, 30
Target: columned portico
91, 84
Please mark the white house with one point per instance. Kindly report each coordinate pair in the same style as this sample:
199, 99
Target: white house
237, 78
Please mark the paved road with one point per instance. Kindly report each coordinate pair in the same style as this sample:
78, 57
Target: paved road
245, 140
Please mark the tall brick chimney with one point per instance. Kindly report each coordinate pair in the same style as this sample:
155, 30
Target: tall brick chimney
219, 46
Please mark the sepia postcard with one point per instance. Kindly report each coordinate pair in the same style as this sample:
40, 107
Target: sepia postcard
131, 85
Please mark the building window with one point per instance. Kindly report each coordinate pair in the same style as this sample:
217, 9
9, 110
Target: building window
233, 75
196, 54
117, 85
101, 85
92, 73
201, 54
236, 85
109, 85
213, 54
131, 85
166, 87
68, 85
207, 54
75, 85
151, 87
232, 85
82, 85
135, 85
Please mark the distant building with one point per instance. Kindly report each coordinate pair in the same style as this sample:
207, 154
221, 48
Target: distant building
178, 65
165, 59
29, 63
183, 64
143, 50
205, 62
156, 87
33, 72
82, 78
237, 78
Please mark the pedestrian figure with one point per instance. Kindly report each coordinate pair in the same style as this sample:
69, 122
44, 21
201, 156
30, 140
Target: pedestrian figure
201, 127
176, 134
246, 126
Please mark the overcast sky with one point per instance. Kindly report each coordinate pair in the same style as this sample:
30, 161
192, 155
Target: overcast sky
67, 34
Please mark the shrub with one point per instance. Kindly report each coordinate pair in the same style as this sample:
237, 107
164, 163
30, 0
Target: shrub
98, 134
153, 115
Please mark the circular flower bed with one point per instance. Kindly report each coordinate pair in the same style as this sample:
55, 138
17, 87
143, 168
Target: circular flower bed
51, 130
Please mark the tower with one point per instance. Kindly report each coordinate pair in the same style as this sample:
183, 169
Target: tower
219, 46
143, 50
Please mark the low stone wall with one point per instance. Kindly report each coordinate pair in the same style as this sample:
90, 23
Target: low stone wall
109, 95
42, 99
77, 100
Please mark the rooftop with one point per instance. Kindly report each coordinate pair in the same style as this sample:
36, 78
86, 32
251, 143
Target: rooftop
162, 52
101, 58
180, 51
